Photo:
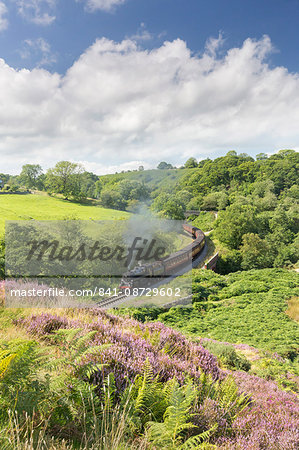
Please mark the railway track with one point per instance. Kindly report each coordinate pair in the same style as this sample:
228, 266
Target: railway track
115, 300
108, 302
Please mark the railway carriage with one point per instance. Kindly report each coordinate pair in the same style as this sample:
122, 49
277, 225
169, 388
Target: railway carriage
143, 275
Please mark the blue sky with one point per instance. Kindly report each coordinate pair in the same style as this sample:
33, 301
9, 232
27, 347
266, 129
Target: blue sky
75, 27
118, 83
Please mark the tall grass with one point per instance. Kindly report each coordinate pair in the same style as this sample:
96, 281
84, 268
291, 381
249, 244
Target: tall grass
109, 431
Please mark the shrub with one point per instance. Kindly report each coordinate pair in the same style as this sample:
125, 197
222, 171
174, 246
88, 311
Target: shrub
227, 355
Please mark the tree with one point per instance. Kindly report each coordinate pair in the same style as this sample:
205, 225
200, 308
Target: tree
267, 203
140, 168
173, 209
88, 182
231, 153
245, 156
191, 163
160, 201
228, 262
169, 206
164, 165
215, 201
111, 198
64, 179
132, 190
256, 253
261, 156
238, 219
286, 152
184, 197
243, 172
4, 177
30, 175
261, 188
98, 188
195, 202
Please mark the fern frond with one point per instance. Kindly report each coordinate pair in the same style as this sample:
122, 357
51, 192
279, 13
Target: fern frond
5, 361
109, 390
145, 390
195, 442
176, 417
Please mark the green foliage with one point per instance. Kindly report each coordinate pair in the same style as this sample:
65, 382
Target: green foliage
215, 201
176, 419
141, 314
20, 390
164, 165
64, 179
256, 252
243, 307
75, 347
229, 261
31, 176
51, 394
123, 194
112, 199
261, 156
191, 163
205, 221
227, 355
254, 197
179, 428
284, 372
5, 361
48, 396
238, 219
229, 398
146, 399
169, 206
166, 411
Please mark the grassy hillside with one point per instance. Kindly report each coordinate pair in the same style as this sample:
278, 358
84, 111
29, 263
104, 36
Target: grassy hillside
244, 307
98, 381
154, 179
43, 207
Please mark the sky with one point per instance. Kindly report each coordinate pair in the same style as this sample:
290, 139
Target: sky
115, 84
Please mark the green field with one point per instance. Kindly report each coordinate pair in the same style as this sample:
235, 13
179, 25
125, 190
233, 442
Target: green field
43, 207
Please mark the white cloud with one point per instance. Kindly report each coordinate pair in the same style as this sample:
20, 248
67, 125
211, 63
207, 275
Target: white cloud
40, 12
142, 34
120, 105
104, 5
3, 19
214, 44
39, 49
103, 169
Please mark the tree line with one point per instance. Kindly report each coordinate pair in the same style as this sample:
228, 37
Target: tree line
73, 182
257, 199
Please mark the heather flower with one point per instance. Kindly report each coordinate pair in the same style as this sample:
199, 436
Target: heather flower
269, 422
272, 421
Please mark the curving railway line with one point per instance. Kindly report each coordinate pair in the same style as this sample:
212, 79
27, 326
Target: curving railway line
170, 267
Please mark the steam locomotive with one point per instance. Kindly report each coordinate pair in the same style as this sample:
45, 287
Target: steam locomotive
141, 276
